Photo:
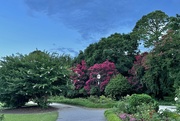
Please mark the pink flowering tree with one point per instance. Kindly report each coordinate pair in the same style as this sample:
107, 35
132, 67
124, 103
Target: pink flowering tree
99, 77
137, 72
80, 75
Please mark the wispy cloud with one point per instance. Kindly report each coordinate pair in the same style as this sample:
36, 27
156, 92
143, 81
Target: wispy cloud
90, 18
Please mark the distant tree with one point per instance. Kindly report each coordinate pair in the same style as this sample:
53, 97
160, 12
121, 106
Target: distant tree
151, 27
31, 77
106, 70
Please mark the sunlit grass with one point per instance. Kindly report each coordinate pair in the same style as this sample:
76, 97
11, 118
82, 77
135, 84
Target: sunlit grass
52, 116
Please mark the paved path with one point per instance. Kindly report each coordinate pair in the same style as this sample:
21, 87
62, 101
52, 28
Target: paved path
170, 108
74, 113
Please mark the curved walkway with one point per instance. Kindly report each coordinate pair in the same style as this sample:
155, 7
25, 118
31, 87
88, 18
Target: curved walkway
74, 113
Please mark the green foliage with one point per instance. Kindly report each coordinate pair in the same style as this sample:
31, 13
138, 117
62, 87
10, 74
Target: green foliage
130, 103
1, 117
138, 99
35, 76
177, 100
117, 48
163, 66
117, 87
111, 116
171, 115
151, 27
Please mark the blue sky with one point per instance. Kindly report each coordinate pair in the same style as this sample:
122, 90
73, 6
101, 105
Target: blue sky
67, 26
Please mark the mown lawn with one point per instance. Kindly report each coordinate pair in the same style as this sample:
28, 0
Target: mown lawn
91, 102
52, 116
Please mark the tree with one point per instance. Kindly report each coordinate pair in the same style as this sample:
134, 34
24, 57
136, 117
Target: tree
31, 77
164, 63
137, 72
151, 27
117, 48
106, 70
118, 87
79, 76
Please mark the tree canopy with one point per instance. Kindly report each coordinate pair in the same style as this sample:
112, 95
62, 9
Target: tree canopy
151, 27
31, 77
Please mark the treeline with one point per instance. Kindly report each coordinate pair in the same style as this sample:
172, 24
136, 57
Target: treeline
113, 66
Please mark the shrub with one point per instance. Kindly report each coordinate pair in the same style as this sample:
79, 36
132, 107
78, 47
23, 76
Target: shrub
117, 87
111, 116
166, 114
131, 103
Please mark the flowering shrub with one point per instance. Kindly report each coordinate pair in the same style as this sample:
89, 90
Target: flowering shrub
137, 72
127, 117
106, 70
80, 75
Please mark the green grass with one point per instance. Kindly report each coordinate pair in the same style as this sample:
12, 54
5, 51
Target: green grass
52, 116
90, 103
111, 116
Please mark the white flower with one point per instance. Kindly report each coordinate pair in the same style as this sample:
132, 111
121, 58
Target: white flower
175, 98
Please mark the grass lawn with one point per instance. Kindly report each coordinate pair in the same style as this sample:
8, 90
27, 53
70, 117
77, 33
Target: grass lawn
52, 116
90, 102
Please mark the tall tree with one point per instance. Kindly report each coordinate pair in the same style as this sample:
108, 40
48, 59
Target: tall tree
151, 27
164, 64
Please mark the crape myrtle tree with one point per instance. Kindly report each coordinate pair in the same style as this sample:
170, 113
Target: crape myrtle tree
137, 72
79, 77
35, 76
151, 27
95, 85
117, 48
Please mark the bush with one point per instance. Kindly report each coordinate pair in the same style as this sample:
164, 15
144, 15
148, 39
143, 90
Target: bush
117, 87
171, 115
131, 103
111, 116
139, 99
